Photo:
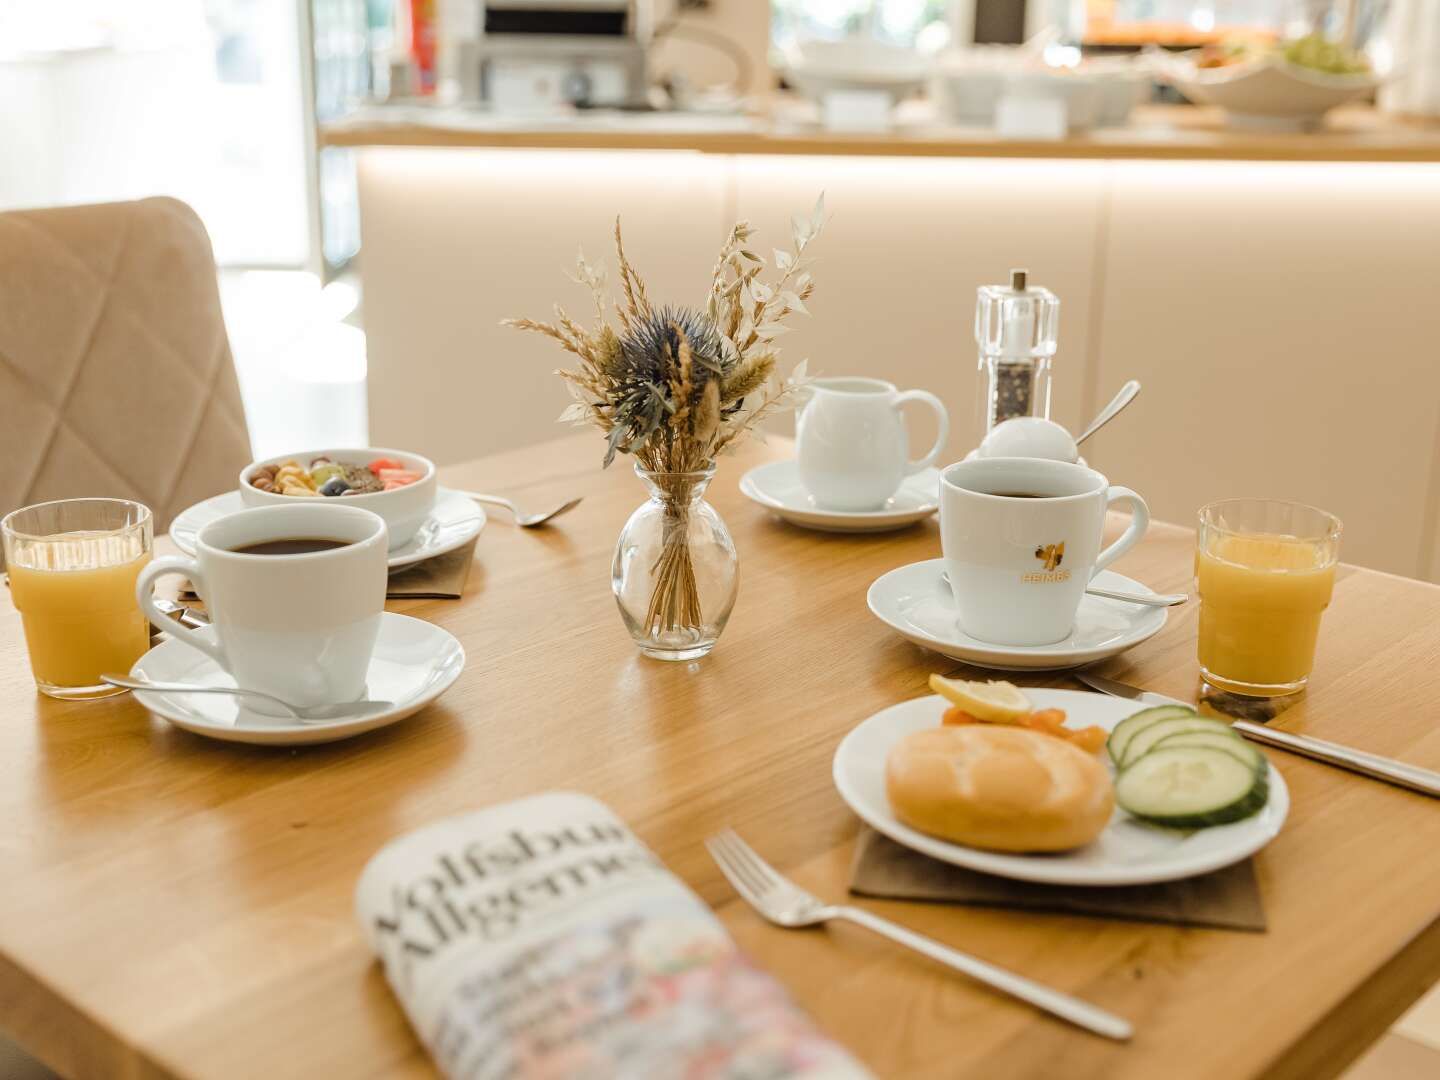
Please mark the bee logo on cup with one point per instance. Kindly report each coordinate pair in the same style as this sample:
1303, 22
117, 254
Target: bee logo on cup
1051, 555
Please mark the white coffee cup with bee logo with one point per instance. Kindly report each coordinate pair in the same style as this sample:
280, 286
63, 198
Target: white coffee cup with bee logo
1021, 539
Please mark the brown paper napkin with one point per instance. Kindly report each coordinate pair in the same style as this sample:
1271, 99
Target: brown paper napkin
1228, 898
440, 578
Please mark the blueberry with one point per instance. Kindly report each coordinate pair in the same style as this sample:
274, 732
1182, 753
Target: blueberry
334, 486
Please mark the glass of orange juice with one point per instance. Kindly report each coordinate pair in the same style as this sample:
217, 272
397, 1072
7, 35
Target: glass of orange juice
1264, 570
72, 567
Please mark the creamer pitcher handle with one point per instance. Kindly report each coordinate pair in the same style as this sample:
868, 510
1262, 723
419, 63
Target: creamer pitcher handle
942, 420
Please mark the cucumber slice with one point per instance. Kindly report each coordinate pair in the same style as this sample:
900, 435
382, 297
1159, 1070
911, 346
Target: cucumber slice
1128, 728
1151, 734
1228, 741
1190, 787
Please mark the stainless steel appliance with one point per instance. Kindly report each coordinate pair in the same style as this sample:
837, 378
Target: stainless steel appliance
534, 54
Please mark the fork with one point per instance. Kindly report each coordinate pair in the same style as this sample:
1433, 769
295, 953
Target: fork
784, 903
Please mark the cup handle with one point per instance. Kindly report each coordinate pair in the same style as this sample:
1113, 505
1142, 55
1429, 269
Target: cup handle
942, 419
145, 594
1139, 522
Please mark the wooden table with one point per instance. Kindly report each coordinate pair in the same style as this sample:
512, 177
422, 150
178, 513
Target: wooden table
173, 906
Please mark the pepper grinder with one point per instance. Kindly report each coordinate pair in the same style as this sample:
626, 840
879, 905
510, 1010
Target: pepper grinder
1016, 328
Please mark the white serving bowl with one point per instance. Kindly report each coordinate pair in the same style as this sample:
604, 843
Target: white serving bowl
968, 85
404, 508
1268, 92
817, 68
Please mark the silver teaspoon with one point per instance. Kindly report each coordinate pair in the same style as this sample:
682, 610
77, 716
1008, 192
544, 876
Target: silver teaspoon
1117, 405
1150, 600
314, 714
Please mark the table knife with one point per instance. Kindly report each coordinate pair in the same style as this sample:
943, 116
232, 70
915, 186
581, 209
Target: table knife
185, 616
1425, 781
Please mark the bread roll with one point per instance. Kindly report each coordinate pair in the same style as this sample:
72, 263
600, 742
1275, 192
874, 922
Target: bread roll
996, 787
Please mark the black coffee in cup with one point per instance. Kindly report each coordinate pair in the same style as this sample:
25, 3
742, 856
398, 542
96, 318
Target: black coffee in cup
295, 545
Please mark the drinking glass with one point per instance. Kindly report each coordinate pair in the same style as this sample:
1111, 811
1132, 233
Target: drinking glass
1264, 572
72, 567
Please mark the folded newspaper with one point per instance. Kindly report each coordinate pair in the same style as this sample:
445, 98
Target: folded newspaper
540, 938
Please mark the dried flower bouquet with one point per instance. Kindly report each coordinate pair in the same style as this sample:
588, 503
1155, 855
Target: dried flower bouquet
675, 387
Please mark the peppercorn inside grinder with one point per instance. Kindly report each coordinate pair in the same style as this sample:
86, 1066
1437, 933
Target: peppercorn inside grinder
1016, 328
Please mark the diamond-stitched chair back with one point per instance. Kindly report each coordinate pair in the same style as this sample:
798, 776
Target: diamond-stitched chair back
115, 371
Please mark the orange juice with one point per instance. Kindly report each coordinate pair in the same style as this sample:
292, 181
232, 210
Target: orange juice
79, 610
1261, 598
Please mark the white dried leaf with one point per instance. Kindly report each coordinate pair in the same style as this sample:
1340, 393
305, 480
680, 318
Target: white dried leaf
817, 216
762, 292
799, 230
783, 260
574, 413
793, 302
770, 330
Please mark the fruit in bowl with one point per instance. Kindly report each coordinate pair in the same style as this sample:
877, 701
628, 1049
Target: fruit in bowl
397, 485
1285, 87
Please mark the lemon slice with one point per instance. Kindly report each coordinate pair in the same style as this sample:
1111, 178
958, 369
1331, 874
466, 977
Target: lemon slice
994, 702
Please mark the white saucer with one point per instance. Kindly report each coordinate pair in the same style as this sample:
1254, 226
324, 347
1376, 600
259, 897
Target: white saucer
414, 663
916, 602
1128, 852
777, 487
453, 522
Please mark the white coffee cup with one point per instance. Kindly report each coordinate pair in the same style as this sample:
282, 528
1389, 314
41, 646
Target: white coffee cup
300, 627
852, 445
1018, 566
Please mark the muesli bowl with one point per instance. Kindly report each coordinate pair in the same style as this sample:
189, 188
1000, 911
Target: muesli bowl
404, 508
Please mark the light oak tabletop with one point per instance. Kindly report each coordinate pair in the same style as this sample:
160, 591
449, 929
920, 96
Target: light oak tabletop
173, 906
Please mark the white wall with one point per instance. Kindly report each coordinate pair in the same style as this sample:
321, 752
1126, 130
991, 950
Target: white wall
1282, 316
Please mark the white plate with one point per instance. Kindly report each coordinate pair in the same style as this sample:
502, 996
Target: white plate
414, 663
777, 487
454, 521
1128, 852
916, 602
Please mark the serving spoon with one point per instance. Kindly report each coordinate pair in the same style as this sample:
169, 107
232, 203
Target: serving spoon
311, 714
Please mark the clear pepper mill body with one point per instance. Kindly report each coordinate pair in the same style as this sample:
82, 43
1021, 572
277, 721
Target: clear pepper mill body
1016, 330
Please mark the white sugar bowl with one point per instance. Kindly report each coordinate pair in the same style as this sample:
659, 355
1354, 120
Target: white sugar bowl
1030, 437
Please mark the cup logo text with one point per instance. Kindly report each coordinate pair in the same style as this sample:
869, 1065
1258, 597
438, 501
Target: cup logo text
1051, 555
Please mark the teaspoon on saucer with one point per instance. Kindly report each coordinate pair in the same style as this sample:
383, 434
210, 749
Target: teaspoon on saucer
1150, 600
314, 714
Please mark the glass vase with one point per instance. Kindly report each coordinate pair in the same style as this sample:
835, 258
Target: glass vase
675, 572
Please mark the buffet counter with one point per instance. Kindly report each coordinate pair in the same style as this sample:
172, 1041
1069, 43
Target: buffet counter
1156, 132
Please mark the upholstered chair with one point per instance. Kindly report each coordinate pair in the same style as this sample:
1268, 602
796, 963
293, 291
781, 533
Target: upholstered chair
115, 372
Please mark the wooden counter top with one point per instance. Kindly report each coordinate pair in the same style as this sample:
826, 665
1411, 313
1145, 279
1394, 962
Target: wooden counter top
1158, 132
